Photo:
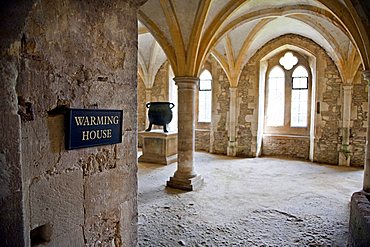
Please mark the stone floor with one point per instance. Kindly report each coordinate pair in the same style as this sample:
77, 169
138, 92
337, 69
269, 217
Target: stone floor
247, 202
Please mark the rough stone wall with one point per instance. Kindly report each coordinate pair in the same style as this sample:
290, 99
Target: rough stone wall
328, 93
83, 55
221, 104
359, 120
202, 140
291, 147
141, 109
328, 121
248, 111
160, 86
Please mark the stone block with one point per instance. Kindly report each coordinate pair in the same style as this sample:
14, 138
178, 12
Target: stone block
107, 190
103, 229
70, 239
128, 217
58, 200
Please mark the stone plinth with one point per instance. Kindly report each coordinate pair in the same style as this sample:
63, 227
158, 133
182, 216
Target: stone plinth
359, 225
188, 184
159, 147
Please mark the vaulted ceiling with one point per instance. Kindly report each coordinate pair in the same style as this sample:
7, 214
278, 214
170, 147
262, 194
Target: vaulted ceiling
233, 30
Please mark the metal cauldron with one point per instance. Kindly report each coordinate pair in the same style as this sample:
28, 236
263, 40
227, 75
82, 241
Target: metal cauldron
159, 113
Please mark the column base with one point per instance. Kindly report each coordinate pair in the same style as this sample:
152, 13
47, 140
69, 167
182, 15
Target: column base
188, 184
231, 148
343, 160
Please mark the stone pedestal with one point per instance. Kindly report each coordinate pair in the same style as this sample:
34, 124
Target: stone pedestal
159, 147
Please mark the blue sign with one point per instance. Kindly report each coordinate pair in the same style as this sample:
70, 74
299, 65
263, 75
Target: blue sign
90, 127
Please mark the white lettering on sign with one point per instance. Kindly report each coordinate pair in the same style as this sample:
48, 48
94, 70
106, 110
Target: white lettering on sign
96, 120
88, 135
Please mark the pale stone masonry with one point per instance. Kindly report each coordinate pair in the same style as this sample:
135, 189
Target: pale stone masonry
248, 111
221, 114
366, 186
286, 146
328, 143
141, 109
359, 115
202, 140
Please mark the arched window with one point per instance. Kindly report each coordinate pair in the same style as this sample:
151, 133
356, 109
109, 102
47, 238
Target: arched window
275, 97
299, 102
205, 97
288, 95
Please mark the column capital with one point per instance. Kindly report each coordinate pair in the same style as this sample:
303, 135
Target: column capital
186, 81
366, 74
233, 89
347, 87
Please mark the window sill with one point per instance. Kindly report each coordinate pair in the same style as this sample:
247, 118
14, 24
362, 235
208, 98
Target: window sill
203, 125
288, 136
202, 130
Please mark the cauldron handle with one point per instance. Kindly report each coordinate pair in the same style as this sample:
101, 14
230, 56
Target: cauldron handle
172, 105
147, 105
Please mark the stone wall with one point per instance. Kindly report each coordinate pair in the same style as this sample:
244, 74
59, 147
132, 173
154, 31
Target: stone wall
292, 147
141, 101
248, 111
359, 120
328, 93
328, 124
160, 87
82, 55
220, 111
202, 140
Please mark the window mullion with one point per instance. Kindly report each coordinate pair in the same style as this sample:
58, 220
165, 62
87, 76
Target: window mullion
288, 99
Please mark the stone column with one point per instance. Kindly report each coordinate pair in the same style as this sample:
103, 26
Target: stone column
366, 186
345, 154
148, 98
185, 177
232, 143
